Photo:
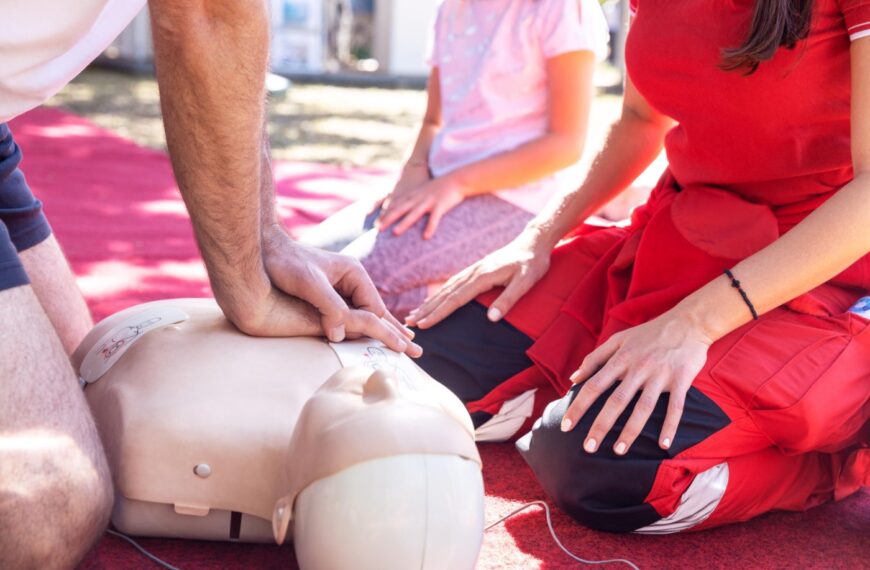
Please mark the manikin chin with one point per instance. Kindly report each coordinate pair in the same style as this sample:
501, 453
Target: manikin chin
351, 449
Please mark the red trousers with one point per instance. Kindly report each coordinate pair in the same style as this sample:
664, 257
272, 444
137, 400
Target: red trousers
782, 405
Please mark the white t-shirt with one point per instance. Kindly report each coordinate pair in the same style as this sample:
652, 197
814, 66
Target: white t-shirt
44, 44
492, 58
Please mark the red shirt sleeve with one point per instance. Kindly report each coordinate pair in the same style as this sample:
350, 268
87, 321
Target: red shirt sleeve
857, 16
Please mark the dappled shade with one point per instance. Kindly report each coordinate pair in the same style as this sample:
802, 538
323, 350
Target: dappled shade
118, 215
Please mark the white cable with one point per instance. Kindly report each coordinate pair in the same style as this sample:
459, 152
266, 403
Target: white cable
138, 547
168, 566
556, 538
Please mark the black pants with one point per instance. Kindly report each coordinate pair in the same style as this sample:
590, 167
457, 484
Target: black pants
473, 356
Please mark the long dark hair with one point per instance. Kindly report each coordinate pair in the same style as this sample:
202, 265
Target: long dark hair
775, 24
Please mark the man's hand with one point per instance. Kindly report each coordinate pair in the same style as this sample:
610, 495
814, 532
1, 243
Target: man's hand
335, 292
211, 60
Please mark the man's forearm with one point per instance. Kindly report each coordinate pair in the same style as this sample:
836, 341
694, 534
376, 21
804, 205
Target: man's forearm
419, 156
269, 219
211, 60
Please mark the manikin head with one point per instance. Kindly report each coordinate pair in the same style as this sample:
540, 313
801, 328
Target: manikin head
383, 473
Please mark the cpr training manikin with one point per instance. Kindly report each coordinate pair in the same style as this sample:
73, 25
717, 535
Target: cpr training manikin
350, 448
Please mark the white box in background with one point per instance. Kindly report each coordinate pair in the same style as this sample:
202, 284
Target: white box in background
133, 49
297, 14
298, 37
298, 42
297, 51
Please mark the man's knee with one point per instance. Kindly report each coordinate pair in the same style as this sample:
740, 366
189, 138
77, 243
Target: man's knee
55, 499
55, 488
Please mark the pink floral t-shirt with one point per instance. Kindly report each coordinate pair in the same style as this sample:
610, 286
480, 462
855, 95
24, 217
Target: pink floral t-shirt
491, 56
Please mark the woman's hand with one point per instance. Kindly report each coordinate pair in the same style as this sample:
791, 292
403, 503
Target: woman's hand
663, 355
516, 267
435, 197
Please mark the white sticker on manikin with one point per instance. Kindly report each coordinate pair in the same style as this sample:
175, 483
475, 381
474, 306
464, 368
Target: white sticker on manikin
374, 355
117, 341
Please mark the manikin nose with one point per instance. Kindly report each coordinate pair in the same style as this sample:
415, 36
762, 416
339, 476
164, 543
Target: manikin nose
380, 386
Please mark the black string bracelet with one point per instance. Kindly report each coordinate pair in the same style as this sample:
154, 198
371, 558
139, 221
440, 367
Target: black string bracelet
736, 284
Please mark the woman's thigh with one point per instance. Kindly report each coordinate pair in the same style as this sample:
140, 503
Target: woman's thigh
770, 423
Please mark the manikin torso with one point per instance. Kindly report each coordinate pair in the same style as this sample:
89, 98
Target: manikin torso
201, 425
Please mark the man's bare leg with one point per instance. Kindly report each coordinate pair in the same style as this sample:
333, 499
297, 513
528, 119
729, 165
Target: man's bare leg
55, 287
55, 487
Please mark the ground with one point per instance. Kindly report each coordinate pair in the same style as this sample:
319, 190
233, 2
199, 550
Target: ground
319, 123
347, 126
344, 126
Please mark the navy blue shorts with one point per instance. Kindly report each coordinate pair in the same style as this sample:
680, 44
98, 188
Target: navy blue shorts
22, 222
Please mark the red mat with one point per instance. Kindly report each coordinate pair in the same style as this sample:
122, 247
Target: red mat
117, 213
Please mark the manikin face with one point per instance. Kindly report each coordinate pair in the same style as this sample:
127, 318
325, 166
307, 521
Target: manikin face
397, 384
359, 415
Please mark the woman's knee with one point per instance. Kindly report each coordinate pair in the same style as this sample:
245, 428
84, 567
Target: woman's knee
601, 490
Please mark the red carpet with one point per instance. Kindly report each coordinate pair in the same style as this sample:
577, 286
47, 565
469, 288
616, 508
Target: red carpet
116, 211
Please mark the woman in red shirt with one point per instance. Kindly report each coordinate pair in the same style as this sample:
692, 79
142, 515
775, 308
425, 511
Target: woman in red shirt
710, 345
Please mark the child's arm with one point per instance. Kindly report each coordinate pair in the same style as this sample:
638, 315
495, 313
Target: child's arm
415, 172
430, 126
633, 143
570, 96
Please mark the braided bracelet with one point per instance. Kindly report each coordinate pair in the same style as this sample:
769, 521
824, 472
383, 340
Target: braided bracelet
736, 284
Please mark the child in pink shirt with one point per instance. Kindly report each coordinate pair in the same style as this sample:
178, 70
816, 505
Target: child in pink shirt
509, 97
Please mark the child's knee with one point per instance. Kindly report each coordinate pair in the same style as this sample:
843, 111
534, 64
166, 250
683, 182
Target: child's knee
381, 259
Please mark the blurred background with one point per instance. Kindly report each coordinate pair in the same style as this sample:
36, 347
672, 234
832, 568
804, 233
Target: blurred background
358, 76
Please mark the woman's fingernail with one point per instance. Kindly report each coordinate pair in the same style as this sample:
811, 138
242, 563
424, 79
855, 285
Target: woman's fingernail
409, 333
620, 448
566, 424
590, 445
493, 314
403, 346
337, 334
573, 377
666, 443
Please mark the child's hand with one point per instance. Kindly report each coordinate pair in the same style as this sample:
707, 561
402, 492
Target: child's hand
435, 197
414, 174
